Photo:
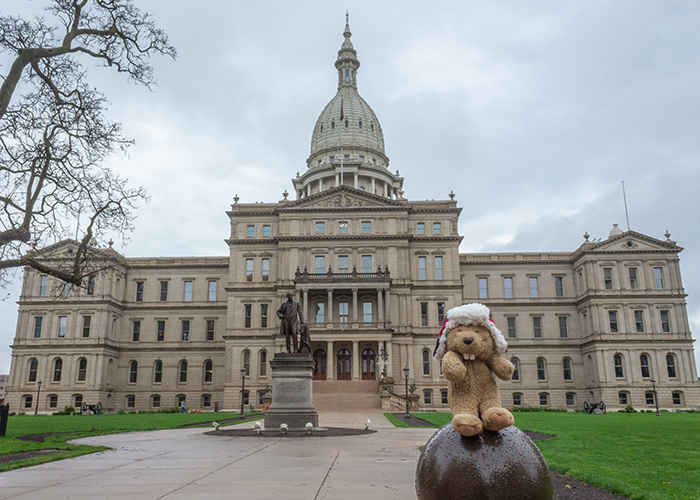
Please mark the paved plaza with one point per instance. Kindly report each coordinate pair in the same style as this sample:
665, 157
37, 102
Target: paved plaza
186, 463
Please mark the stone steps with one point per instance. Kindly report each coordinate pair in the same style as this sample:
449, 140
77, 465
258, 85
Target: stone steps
346, 395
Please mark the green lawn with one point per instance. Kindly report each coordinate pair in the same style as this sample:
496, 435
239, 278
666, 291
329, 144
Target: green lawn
77, 426
638, 455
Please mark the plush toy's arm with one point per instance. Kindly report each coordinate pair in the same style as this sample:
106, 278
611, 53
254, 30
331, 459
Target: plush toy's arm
501, 367
453, 366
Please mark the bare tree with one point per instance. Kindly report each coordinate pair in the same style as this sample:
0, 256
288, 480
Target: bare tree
54, 137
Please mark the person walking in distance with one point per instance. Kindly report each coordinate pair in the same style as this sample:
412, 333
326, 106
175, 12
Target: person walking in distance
291, 315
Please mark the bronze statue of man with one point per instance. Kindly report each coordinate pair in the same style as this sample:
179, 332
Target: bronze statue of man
288, 313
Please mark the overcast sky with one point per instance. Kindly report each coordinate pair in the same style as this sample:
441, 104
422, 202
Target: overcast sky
532, 112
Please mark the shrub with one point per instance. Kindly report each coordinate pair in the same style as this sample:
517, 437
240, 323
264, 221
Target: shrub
630, 409
120, 412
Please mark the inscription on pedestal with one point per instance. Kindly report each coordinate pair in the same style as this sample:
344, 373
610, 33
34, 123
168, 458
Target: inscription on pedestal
292, 392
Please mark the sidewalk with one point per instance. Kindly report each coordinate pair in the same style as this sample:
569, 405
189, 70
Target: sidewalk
186, 464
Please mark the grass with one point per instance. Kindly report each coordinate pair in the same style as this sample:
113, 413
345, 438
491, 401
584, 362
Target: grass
638, 455
77, 426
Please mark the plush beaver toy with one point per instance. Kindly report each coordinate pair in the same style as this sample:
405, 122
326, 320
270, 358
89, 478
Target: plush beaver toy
469, 345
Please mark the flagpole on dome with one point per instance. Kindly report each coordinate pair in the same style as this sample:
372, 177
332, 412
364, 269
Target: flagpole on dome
341, 140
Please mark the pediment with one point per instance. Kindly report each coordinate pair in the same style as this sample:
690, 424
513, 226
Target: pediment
344, 197
66, 249
631, 241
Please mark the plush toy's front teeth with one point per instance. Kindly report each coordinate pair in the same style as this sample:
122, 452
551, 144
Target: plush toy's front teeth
469, 357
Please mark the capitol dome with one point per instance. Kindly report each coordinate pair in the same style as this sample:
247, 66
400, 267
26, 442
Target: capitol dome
347, 143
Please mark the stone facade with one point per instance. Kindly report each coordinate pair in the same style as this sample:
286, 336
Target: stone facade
375, 274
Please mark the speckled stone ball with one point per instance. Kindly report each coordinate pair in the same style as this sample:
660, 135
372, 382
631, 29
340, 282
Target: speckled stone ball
491, 465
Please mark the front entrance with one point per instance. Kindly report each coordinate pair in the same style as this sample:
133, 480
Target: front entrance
344, 365
319, 364
368, 360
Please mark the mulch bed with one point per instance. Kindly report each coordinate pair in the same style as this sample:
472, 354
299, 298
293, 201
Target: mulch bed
23, 455
39, 438
327, 432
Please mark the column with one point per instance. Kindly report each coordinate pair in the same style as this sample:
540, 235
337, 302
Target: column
337, 179
372, 185
402, 311
386, 194
305, 305
330, 362
320, 185
355, 360
329, 307
387, 309
380, 306
354, 305
389, 362
409, 361
355, 183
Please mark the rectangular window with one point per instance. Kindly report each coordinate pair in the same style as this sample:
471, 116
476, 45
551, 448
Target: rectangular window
508, 285
559, 286
659, 278
634, 283
263, 315
320, 312
517, 399
544, 399
249, 269
639, 321
422, 275
320, 227
62, 321
534, 292
266, 269
43, 286
78, 401
423, 314
91, 285
665, 322
441, 312
438, 268
563, 328
342, 227
343, 308
246, 398
27, 402
248, 311
569, 399
483, 288
131, 401
649, 398
66, 289
210, 329
511, 327
185, 329
188, 291
537, 327
160, 331
320, 264
86, 325
53, 402
266, 230
622, 398
366, 227
366, 263
436, 228
206, 401
676, 397
427, 397
366, 312
251, 231
139, 291
163, 291
607, 278
38, 321
443, 396
212, 291
343, 264
612, 318
135, 331
420, 228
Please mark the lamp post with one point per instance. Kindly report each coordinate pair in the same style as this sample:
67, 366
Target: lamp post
243, 373
656, 399
38, 391
405, 373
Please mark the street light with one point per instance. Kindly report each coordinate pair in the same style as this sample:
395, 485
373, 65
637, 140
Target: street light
405, 373
243, 373
38, 391
656, 399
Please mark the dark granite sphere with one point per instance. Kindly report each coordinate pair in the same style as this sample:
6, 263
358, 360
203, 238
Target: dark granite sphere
491, 465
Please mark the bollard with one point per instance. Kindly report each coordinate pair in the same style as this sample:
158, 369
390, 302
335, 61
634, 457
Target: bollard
4, 414
216, 407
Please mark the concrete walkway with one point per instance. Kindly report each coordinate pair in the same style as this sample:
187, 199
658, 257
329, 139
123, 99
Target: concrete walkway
186, 464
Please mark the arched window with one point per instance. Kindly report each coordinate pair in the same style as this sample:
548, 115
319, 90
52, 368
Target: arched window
566, 365
158, 372
671, 365
263, 363
183, 371
57, 369
644, 363
360, 124
619, 372
208, 370
82, 370
246, 362
516, 372
33, 367
541, 370
426, 362
133, 372
332, 125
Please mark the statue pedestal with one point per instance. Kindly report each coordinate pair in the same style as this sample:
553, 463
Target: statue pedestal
292, 396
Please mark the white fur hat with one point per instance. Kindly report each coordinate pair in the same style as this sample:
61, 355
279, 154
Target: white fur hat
469, 314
